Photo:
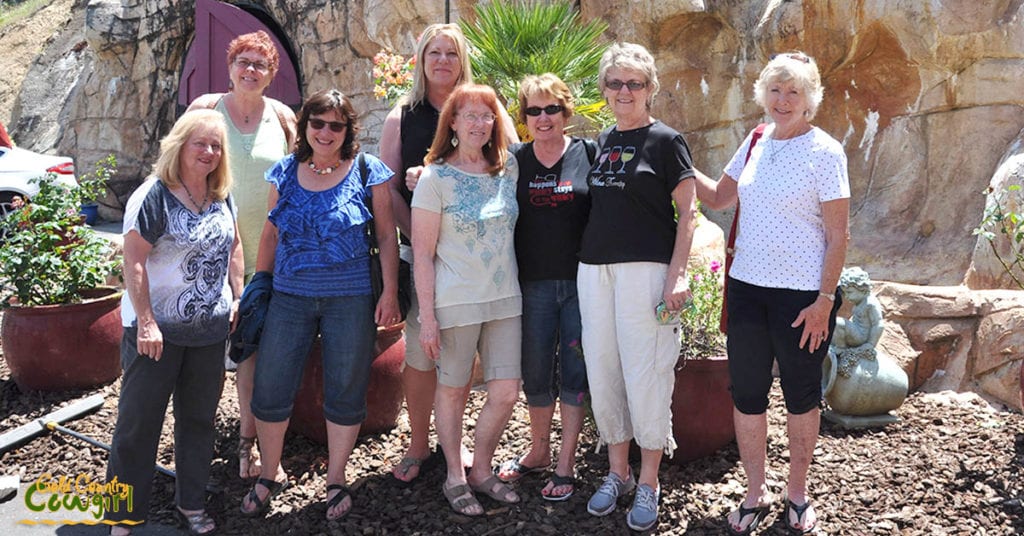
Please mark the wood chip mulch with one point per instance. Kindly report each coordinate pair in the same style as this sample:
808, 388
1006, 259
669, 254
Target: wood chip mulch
951, 466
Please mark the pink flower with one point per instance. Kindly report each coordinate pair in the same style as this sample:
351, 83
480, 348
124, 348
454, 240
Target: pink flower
715, 266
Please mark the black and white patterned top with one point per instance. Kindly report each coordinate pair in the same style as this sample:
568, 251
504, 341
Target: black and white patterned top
187, 267
781, 233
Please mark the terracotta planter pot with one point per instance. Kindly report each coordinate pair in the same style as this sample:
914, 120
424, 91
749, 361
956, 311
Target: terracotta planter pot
702, 409
383, 396
58, 347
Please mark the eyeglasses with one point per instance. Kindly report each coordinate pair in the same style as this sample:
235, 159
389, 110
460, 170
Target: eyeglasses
633, 85
473, 118
202, 146
335, 126
244, 64
551, 109
793, 56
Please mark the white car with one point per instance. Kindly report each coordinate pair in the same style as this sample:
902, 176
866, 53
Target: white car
18, 166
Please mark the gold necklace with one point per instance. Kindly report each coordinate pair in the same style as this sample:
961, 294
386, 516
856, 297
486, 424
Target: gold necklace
324, 170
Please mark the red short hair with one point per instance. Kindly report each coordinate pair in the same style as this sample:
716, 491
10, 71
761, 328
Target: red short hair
258, 42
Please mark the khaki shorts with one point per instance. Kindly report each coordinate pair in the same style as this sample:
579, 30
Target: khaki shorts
499, 343
414, 355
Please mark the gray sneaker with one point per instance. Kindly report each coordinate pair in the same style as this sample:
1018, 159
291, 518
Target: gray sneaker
604, 499
644, 513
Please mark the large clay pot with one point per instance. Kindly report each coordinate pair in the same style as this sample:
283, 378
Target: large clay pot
58, 347
383, 396
701, 409
873, 387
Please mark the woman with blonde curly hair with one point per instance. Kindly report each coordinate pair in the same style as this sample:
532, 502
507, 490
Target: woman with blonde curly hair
183, 276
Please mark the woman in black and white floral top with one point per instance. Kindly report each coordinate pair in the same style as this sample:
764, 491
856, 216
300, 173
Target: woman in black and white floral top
183, 274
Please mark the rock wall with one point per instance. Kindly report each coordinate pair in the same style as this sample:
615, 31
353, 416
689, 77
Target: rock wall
924, 96
955, 338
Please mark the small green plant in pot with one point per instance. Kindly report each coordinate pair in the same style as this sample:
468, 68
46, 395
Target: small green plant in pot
61, 328
701, 402
49, 256
699, 323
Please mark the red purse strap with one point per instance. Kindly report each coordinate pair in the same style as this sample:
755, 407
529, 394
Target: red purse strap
729, 248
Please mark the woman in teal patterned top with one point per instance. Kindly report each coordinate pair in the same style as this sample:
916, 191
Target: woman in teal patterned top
463, 217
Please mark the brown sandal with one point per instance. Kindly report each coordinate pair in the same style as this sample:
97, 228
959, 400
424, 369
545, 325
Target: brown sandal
494, 488
248, 458
461, 499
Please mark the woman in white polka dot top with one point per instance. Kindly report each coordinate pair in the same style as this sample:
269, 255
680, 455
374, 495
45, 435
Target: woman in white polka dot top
790, 248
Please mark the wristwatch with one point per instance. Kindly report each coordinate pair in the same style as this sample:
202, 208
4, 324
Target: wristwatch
830, 296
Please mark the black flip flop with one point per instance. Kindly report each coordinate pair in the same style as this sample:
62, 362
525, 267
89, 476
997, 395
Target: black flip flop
273, 486
343, 491
759, 513
558, 481
799, 511
516, 466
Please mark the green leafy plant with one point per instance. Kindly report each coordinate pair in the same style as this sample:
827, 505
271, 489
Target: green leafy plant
699, 322
513, 39
1003, 217
49, 256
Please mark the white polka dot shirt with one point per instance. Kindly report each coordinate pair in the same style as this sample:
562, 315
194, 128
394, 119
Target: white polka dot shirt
780, 241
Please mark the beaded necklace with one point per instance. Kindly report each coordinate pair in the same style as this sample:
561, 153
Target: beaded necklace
324, 170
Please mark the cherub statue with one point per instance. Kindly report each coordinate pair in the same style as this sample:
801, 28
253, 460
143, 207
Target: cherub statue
862, 330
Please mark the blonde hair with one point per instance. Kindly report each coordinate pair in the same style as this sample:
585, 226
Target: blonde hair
495, 151
418, 93
545, 85
168, 164
633, 57
795, 66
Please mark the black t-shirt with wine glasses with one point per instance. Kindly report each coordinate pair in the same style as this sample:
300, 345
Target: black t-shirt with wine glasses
632, 218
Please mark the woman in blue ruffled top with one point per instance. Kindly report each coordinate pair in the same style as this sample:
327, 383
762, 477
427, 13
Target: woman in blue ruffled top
315, 243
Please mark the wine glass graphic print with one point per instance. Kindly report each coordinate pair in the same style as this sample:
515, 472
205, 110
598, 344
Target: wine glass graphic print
601, 159
613, 157
627, 154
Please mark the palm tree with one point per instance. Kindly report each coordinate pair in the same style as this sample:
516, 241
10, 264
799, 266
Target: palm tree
511, 39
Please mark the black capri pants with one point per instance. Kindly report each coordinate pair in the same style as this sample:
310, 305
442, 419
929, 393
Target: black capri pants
760, 331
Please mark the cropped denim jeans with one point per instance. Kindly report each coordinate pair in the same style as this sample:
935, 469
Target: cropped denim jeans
552, 332
347, 331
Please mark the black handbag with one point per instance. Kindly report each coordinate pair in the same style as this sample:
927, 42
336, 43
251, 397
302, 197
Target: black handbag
376, 272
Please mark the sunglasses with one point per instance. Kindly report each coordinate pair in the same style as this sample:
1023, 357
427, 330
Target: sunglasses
792, 56
551, 109
616, 85
317, 124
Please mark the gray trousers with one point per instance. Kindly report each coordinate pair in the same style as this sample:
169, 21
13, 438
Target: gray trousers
195, 375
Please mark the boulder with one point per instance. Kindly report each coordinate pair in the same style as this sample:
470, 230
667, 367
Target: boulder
956, 338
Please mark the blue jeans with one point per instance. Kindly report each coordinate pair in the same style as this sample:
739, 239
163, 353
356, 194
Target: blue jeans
347, 331
552, 327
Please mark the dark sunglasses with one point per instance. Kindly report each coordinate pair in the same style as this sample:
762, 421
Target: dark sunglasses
551, 109
792, 56
616, 85
336, 126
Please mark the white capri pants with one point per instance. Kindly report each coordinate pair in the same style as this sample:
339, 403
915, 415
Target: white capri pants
630, 357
